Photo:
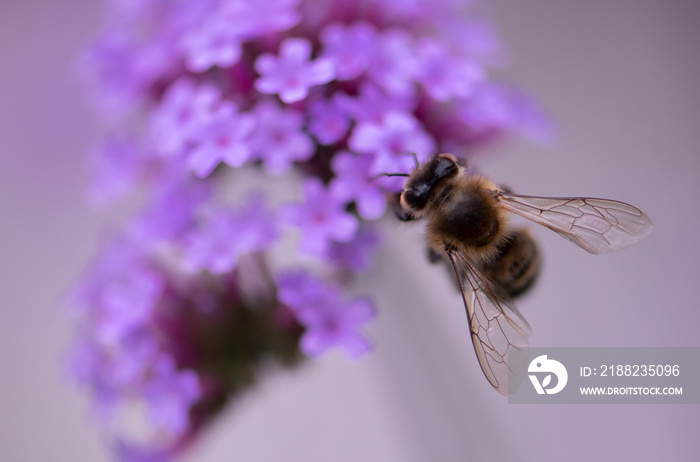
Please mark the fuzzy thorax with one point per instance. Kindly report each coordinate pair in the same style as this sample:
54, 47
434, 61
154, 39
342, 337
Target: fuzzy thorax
464, 215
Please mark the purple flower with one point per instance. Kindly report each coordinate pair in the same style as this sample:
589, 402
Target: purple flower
127, 301
489, 107
261, 17
278, 138
443, 76
169, 394
337, 325
494, 107
176, 361
128, 451
116, 166
350, 47
394, 63
321, 217
292, 73
391, 141
224, 236
185, 109
472, 37
128, 361
170, 213
301, 291
258, 229
183, 311
213, 246
417, 13
222, 139
328, 319
136, 49
121, 292
371, 104
356, 255
119, 358
328, 122
353, 182
216, 42
110, 368
113, 77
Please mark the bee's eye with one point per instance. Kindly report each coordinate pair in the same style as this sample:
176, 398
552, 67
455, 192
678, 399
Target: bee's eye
416, 197
445, 167
411, 197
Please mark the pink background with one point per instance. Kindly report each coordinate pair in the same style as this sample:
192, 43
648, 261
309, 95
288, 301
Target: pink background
620, 79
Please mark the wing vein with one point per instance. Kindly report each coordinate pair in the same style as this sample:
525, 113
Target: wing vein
495, 324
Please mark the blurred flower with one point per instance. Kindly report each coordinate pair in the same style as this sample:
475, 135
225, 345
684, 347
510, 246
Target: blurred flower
394, 63
181, 312
327, 121
353, 182
222, 139
321, 217
390, 140
349, 47
278, 139
444, 76
116, 166
184, 110
355, 255
213, 43
328, 320
292, 74
170, 394
371, 104
260, 18
210, 247
494, 107
170, 211
161, 341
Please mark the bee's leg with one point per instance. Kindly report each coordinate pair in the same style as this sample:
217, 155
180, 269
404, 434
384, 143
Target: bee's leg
506, 189
434, 256
501, 189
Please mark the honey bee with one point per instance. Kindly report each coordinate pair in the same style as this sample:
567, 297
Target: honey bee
468, 226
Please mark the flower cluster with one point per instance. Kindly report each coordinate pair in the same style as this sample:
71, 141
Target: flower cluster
183, 310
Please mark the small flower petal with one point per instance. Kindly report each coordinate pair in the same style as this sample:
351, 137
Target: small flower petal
278, 138
321, 217
291, 74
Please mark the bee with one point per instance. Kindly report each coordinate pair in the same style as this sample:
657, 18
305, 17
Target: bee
467, 224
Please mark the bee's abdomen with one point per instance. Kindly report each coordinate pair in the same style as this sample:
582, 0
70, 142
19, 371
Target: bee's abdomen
516, 266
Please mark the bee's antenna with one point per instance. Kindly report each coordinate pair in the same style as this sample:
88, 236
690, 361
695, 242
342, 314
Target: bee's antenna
415, 160
388, 174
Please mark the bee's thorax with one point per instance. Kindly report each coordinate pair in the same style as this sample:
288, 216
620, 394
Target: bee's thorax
465, 214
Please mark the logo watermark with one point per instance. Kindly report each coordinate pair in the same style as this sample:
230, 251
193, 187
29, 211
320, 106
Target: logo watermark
606, 376
542, 364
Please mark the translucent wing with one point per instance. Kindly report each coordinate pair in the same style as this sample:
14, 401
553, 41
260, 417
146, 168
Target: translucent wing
596, 225
498, 329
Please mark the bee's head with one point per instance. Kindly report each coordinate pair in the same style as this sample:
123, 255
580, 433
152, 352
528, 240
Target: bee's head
423, 180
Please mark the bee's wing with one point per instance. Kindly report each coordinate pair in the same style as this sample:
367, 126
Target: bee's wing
496, 326
596, 225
